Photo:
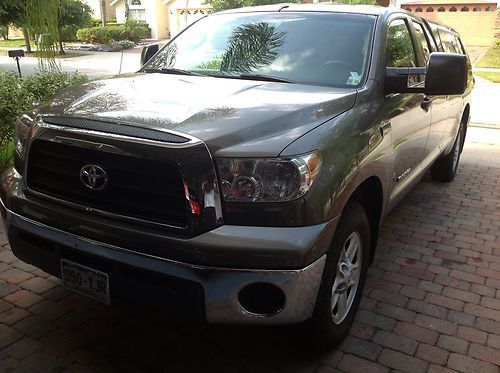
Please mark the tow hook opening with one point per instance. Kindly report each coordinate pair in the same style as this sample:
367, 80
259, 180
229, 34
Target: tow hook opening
262, 299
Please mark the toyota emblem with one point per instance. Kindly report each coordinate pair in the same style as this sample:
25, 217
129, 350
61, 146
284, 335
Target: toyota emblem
93, 177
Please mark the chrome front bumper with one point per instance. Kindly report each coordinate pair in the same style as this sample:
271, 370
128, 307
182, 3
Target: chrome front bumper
221, 286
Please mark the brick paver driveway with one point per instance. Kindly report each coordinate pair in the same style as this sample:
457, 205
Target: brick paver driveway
432, 302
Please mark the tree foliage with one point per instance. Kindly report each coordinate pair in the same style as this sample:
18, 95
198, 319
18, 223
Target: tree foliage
48, 21
218, 5
13, 12
74, 14
43, 23
251, 46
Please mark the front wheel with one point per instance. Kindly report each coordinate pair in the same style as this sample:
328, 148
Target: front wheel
445, 168
343, 278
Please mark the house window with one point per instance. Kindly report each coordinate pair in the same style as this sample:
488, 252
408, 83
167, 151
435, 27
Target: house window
136, 10
429, 9
453, 9
441, 9
137, 14
464, 9
408, 9
489, 9
418, 10
476, 9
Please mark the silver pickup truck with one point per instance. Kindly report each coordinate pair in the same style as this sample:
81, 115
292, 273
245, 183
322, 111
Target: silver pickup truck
242, 175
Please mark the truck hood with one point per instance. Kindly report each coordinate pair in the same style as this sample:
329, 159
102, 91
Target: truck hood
233, 117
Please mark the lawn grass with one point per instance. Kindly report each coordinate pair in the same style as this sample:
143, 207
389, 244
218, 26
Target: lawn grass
12, 43
494, 77
491, 58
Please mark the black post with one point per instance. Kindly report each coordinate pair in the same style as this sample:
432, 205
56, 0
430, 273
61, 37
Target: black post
17, 54
18, 66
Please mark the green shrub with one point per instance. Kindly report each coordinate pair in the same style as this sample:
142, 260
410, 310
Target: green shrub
18, 95
68, 33
133, 31
13, 100
94, 22
42, 86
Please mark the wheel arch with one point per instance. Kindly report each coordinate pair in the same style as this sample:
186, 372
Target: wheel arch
465, 121
369, 193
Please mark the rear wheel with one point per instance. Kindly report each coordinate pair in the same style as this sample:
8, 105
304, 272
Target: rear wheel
445, 167
343, 278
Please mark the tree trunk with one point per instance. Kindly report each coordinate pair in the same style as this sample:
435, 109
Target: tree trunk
61, 49
103, 12
27, 40
4, 32
126, 10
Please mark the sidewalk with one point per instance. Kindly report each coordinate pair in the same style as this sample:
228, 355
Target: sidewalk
487, 69
94, 64
485, 108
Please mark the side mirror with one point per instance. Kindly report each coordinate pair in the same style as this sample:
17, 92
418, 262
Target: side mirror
148, 52
445, 74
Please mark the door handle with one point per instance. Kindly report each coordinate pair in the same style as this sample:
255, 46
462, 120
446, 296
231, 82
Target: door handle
426, 103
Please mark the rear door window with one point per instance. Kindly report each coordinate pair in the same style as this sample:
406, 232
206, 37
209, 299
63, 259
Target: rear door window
437, 38
458, 45
448, 41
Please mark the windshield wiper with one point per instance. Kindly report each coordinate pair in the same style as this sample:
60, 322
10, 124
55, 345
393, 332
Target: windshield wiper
267, 78
173, 71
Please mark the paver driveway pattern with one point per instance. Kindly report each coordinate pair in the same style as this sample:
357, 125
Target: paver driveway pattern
432, 302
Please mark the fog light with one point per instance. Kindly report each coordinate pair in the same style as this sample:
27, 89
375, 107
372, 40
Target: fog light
262, 299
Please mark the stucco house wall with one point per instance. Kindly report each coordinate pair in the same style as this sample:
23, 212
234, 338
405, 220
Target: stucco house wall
166, 18
474, 20
96, 8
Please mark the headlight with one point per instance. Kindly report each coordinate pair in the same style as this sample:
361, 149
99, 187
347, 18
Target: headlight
21, 134
267, 180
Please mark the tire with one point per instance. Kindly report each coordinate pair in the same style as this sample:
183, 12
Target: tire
328, 326
445, 167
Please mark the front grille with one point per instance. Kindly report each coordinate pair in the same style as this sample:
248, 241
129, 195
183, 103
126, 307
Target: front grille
139, 188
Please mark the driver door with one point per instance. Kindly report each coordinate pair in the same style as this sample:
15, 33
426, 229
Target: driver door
407, 115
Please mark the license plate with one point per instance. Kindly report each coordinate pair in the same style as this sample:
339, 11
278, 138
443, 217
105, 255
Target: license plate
85, 280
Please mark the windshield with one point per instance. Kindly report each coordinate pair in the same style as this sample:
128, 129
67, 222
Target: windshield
309, 48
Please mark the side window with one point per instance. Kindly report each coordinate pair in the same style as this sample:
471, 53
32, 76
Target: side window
435, 33
448, 41
458, 45
422, 41
399, 46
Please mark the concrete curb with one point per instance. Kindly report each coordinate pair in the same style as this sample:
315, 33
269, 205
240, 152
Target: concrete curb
493, 126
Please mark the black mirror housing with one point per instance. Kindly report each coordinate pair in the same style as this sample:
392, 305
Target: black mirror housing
148, 52
403, 80
446, 74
